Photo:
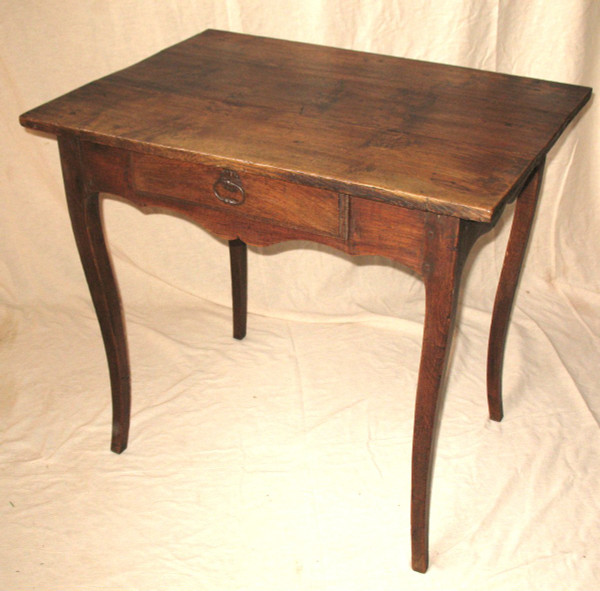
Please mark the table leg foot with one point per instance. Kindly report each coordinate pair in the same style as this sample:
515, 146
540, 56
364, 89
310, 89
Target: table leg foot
238, 257
118, 442
507, 287
86, 220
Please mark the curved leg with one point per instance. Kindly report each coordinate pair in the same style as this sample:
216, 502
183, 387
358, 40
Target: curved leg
86, 220
441, 273
238, 258
507, 287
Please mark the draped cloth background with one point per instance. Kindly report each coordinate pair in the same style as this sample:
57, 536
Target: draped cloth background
283, 461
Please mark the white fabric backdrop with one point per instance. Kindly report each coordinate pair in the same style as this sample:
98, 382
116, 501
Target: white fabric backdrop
282, 462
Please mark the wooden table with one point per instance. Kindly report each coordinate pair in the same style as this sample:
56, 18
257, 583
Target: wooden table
261, 141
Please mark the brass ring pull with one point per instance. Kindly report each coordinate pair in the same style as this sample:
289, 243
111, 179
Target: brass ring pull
229, 182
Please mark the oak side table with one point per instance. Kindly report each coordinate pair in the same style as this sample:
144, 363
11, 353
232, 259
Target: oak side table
261, 141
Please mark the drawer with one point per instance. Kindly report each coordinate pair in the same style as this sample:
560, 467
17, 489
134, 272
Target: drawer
277, 202
389, 230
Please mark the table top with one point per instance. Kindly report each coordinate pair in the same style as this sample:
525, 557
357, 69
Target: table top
446, 139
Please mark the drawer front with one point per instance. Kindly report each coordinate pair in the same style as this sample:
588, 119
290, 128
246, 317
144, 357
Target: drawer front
389, 230
277, 202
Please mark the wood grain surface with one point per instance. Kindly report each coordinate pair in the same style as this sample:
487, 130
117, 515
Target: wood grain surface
444, 139
260, 141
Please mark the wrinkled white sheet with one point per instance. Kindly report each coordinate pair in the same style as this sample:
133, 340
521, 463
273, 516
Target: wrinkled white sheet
283, 461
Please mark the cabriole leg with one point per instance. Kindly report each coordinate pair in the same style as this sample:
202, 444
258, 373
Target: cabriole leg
86, 220
507, 287
441, 274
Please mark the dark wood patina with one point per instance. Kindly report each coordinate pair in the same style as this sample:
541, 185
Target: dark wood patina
261, 141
